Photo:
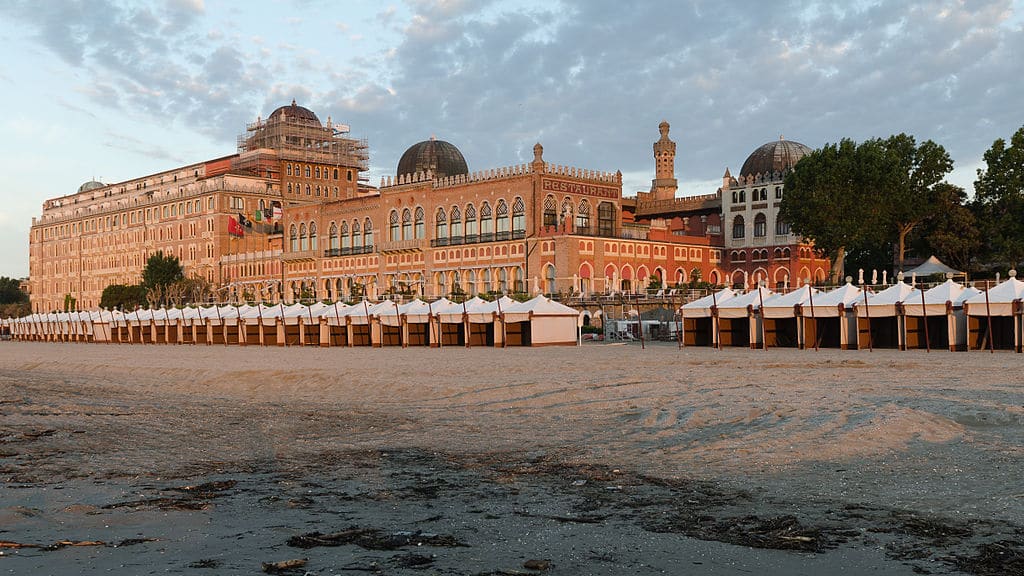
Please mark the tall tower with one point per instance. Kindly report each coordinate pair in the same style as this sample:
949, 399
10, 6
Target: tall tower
664, 185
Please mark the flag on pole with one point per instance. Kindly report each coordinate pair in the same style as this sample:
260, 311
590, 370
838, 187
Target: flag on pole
234, 228
244, 221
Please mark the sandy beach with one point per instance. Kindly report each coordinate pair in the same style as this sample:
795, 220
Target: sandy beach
605, 459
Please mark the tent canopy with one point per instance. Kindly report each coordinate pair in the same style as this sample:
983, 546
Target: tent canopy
932, 266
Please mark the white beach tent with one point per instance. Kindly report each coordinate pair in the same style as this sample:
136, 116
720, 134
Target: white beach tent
540, 321
878, 319
699, 321
938, 322
929, 267
834, 324
780, 317
1000, 306
739, 320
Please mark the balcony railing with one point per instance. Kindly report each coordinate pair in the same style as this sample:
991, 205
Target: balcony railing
413, 244
298, 255
335, 252
478, 238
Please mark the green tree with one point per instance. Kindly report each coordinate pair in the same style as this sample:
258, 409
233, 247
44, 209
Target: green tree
862, 198
952, 234
10, 291
910, 196
999, 200
123, 296
162, 271
828, 198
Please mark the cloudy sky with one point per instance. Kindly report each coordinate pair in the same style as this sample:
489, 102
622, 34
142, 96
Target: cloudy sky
114, 90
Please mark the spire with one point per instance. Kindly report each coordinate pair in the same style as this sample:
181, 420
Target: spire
664, 185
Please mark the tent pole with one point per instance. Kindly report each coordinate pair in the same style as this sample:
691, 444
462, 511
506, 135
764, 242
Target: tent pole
988, 315
924, 311
430, 320
337, 318
369, 326
640, 323
714, 316
764, 329
310, 310
283, 323
679, 323
465, 322
867, 314
221, 320
504, 331
814, 321
401, 340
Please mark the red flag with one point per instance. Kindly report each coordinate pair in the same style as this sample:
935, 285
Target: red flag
234, 228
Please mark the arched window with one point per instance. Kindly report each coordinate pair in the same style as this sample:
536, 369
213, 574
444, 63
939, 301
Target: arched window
312, 236
550, 211
406, 224
518, 215
471, 282
303, 237
367, 233
485, 280
743, 195
486, 224
502, 280
357, 236
345, 240
456, 222
520, 284
421, 231
738, 227
471, 222
781, 228
733, 196
441, 224
549, 279
583, 217
502, 217
760, 225
333, 236
393, 226
293, 234
606, 219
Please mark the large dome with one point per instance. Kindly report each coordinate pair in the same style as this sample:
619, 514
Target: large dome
438, 157
777, 156
296, 112
90, 185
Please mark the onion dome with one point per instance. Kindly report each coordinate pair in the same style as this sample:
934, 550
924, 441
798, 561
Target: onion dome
440, 158
90, 185
777, 156
296, 113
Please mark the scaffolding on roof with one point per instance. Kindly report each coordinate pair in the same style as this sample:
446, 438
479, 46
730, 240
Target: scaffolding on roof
294, 138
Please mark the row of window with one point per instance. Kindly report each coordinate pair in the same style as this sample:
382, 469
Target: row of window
739, 228
304, 237
325, 191
756, 195
127, 218
605, 214
307, 171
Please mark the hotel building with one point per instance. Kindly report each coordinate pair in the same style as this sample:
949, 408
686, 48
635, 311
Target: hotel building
291, 216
